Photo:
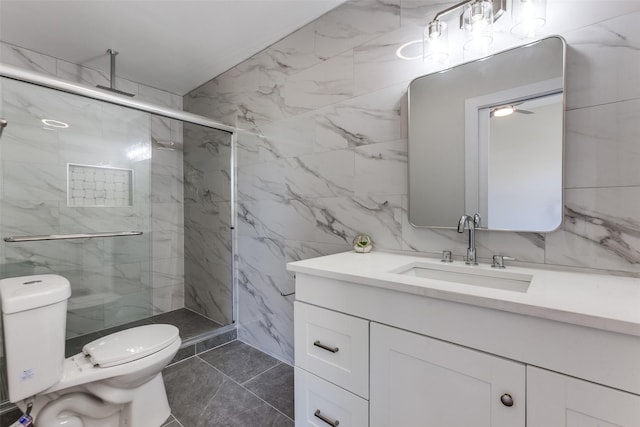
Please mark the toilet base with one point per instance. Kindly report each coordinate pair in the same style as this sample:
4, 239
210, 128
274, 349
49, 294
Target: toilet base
75, 407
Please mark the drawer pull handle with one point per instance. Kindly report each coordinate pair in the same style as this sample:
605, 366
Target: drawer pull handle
506, 399
326, 347
325, 419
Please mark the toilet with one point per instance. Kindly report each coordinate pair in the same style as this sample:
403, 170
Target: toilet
116, 381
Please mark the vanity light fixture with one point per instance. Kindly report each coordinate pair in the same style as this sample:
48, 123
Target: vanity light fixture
476, 19
527, 17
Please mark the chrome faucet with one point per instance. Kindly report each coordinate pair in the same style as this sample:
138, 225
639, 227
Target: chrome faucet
472, 222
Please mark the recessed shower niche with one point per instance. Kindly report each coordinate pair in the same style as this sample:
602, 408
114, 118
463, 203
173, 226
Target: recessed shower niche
99, 186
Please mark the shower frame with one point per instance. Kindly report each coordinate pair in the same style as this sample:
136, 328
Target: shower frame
28, 76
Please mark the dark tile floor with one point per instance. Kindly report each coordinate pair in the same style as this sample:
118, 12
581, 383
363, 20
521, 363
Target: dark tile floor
233, 385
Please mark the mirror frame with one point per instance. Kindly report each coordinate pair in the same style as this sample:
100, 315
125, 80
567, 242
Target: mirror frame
561, 92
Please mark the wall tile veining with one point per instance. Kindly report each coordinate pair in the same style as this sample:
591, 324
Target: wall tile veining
322, 153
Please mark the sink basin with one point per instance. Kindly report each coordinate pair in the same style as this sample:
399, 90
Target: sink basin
468, 275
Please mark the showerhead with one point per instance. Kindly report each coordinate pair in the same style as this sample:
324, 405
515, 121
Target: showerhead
3, 124
112, 76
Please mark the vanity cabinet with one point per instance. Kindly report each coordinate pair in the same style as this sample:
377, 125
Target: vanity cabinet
420, 381
383, 350
559, 400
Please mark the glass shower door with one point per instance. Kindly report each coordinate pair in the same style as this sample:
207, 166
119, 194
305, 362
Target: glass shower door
72, 165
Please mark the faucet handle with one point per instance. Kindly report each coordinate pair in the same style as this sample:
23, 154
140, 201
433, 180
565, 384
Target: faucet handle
498, 261
446, 256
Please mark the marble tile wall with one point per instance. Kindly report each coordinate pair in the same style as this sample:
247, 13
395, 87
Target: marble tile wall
322, 150
163, 245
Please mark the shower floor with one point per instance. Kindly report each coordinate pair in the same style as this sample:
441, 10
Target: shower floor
195, 330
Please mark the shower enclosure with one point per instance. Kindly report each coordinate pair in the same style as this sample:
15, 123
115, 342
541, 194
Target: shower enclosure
98, 192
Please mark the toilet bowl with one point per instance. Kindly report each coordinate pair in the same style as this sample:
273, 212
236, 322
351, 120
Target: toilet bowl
115, 381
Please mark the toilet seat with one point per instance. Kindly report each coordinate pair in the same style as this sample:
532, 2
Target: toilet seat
130, 344
79, 369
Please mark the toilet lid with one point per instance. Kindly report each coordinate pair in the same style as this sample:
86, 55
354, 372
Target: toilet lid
130, 344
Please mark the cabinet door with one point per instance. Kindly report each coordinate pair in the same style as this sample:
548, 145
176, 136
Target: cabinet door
555, 400
418, 381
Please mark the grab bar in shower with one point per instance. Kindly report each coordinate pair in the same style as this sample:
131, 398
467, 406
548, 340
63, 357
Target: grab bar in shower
71, 236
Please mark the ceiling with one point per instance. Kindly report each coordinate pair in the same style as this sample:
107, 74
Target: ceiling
171, 45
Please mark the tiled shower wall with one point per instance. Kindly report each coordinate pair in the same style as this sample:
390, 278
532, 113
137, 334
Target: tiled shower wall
322, 151
166, 195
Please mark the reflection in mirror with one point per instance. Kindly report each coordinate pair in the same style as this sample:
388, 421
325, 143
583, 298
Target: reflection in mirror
524, 165
468, 155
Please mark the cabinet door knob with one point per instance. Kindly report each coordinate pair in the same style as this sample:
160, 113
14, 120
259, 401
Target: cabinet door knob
325, 419
506, 399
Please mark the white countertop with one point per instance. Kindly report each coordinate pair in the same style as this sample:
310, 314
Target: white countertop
610, 303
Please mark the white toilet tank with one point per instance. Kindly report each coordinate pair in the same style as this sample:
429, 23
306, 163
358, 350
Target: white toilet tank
34, 316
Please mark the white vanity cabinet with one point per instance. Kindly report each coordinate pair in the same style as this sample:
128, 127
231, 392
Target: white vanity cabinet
376, 348
419, 381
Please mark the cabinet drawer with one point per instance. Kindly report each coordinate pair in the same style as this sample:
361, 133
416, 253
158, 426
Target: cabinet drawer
333, 346
322, 404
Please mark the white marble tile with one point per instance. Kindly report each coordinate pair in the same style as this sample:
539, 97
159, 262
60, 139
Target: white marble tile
202, 214
376, 64
167, 161
326, 83
155, 96
128, 308
353, 23
168, 298
260, 181
381, 168
267, 317
168, 272
287, 138
367, 119
206, 149
34, 181
28, 59
166, 188
291, 219
167, 244
79, 74
601, 230
160, 130
603, 62
339, 220
208, 290
296, 51
309, 177
247, 147
29, 143
602, 145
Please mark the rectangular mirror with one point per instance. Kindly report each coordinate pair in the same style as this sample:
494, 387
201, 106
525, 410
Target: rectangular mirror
487, 137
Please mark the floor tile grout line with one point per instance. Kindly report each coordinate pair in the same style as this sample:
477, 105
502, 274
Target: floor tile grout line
261, 399
267, 403
263, 372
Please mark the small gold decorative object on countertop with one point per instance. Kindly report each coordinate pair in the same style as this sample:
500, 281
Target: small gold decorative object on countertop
362, 243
